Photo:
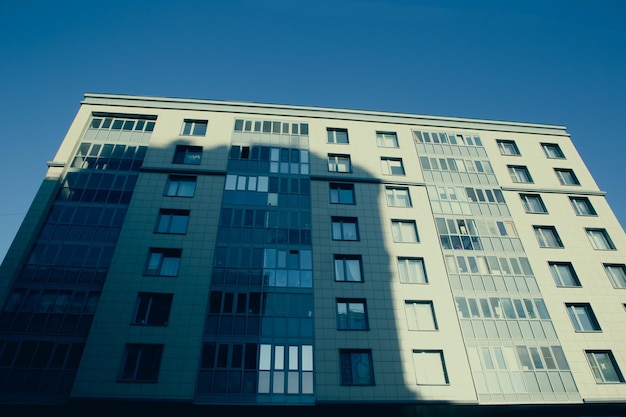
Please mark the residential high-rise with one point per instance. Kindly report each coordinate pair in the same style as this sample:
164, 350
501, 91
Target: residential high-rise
210, 252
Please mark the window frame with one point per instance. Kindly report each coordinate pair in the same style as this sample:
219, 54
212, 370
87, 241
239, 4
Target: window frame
552, 146
517, 171
341, 221
339, 189
608, 267
508, 147
352, 322
141, 349
584, 201
596, 367
187, 155
167, 222
191, 125
387, 166
395, 198
558, 277
396, 230
332, 136
152, 309
165, 254
607, 242
528, 207
414, 324
583, 318
347, 363
407, 261
334, 160
343, 259
539, 235
178, 180
382, 138
430, 375
566, 176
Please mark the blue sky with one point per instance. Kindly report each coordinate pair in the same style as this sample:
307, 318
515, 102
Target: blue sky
550, 61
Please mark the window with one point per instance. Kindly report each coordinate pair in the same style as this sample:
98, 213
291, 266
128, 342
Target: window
404, 231
345, 228
356, 367
348, 268
412, 271
520, 174
141, 363
564, 274
566, 176
603, 366
533, 203
398, 197
190, 155
582, 206
387, 139
391, 166
420, 315
163, 262
351, 314
600, 239
194, 127
153, 309
337, 135
180, 186
552, 150
582, 317
430, 368
341, 193
507, 147
617, 274
172, 221
339, 163
547, 237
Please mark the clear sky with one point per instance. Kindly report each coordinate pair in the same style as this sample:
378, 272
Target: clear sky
541, 61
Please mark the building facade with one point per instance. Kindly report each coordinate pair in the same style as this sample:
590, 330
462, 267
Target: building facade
220, 253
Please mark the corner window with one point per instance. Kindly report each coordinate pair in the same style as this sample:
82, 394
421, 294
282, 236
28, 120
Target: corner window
163, 262
351, 314
398, 197
345, 228
600, 239
356, 367
566, 176
153, 309
552, 151
172, 221
520, 174
339, 163
404, 231
391, 166
430, 368
387, 139
337, 135
507, 147
420, 315
348, 268
412, 271
603, 366
533, 203
582, 317
617, 274
341, 193
582, 206
547, 237
189, 155
180, 186
564, 274
141, 363
194, 127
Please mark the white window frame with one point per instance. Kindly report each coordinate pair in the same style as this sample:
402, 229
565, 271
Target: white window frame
352, 314
547, 237
404, 231
337, 136
552, 151
192, 127
391, 166
566, 176
339, 163
348, 268
412, 270
387, 139
420, 315
508, 147
520, 174
600, 239
604, 367
430, 367
398, 197
617, 274
564, 274
582, 206
582, 317
533, 203
180, 186
341, 228
339, 191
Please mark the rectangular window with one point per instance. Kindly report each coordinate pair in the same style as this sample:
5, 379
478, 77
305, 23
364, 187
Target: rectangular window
351, 314
337, 135
617, 274
348, 268
398, 197
163, 262
404, 231
141, 362
552, 150
172, 221
430, 368
547, 237
412, 271
420, 315
603, 366
566, 176
345, 228
180, 186
341, 193
520, 173
600, 239
564, 274
582, 206
391, 166
507, 147
356, 367
533, 203
189, 155
387, 139
339, 163
194, 127
153, 309
582, 317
